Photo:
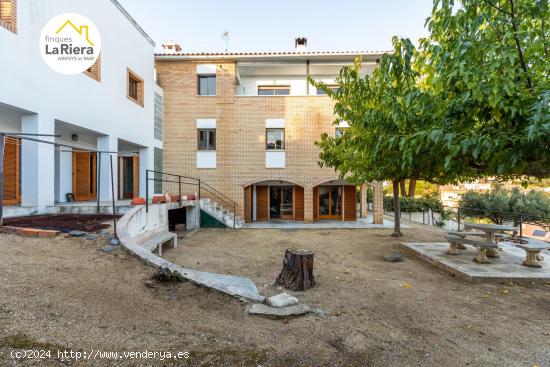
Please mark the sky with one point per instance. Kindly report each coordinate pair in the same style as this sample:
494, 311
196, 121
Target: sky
260, 25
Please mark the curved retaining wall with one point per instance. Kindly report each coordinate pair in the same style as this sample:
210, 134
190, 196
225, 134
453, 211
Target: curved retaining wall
137, 225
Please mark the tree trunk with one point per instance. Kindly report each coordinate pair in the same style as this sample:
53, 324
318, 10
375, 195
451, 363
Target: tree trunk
297, 273
403, 188
396, 210
412, 187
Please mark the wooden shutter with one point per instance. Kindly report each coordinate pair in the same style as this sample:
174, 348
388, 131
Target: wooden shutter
262, 203
81, 176
350, 200
316, 203
298, 203
93, 178
248, 204
135, 179
11, 187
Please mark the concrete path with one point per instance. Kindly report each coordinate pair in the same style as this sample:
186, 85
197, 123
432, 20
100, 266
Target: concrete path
360, 223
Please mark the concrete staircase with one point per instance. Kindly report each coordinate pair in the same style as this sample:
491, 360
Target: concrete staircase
218, 212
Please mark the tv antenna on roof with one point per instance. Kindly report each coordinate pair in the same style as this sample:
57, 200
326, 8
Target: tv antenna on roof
226, 35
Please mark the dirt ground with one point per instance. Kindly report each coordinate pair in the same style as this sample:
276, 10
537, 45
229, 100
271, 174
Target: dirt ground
63, 222
64, 294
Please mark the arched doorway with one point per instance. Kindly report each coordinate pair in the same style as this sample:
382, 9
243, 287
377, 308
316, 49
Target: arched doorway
273, 200
335, 200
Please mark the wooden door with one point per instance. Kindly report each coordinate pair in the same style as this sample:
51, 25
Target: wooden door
135, 177
81, 176
262, 203
298, 203
93, 175
248, 204
350, 200
12, 163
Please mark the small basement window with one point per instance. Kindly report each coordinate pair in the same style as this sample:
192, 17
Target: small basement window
274, 90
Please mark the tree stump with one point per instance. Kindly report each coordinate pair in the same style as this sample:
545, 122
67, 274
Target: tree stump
297, 273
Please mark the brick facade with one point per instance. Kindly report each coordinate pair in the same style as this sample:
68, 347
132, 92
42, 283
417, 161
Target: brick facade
240, 129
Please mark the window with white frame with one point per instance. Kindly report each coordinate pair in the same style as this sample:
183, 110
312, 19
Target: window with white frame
332, 87
273, 90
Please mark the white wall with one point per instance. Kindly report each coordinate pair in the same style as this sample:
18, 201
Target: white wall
27, 83
298, 85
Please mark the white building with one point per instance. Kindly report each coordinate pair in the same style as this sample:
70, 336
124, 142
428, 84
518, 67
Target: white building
94, 110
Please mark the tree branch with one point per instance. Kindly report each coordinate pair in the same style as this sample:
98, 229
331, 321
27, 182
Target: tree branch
498, 8
542, 26
518, 45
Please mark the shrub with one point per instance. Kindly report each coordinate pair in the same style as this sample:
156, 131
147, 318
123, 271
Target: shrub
501, 204
415, 204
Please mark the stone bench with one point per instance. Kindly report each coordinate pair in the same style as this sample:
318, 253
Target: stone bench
158, 239
532, 249
481, 246
463, 235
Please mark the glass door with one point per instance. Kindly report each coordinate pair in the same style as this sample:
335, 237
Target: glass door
281, 202
287, 202
274, 202
330, 202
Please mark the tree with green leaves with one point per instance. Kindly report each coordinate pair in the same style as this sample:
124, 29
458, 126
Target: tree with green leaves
383, 111
488, 64
474, 101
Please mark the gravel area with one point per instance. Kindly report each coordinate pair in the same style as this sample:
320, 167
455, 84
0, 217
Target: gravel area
65, 294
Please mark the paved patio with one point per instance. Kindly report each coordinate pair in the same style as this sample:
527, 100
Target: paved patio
508, 267
360, 223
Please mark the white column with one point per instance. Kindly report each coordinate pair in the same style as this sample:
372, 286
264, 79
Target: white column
146, 161
108, 144
37, 162
64, 174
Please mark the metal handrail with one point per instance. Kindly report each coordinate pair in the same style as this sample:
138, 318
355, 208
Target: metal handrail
210, 188
224, 199
202, 186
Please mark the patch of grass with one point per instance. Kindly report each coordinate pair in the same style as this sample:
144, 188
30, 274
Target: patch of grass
229, 357
21, 341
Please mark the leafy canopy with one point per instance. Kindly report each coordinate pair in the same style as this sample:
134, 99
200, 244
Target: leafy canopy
384, 111
488, 63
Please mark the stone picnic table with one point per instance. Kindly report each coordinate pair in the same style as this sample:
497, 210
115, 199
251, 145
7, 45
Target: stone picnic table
491, 232
487, 245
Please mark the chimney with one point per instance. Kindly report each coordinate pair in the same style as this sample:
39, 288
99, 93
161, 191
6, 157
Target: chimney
171, 47
300, 44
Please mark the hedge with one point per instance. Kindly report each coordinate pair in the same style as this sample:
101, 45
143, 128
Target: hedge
415, 204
